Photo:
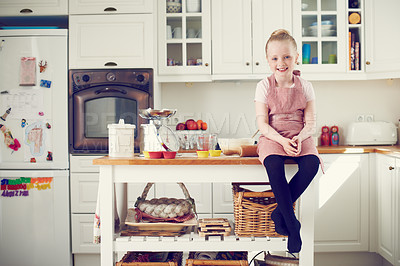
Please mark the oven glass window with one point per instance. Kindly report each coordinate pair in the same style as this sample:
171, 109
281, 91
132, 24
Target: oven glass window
103, 111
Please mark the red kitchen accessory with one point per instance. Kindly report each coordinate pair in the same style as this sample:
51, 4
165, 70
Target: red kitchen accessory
325, 140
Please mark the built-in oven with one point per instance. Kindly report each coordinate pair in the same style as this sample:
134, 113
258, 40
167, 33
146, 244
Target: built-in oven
104, 96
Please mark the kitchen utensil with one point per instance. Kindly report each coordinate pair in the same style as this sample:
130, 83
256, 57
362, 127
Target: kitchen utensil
193, 6
169, 154
169, 32
202, 154
306, 53
121, 139
174, 7
167, 138
155, 154
255, 133
203, 142
215, 153
232, 146
191, 33
177, 33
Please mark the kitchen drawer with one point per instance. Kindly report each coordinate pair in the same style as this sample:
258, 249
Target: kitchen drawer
84, 187
84, 164
82, 234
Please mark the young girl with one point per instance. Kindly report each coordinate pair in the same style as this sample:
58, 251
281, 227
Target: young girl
285, 113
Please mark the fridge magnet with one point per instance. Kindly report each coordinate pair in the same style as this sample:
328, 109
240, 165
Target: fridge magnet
49, 156
42, 66
35, 138
41, 113
334, 136
8, 111
45, 83
23, 123
48, 125
27, 71
33, 160
10, 142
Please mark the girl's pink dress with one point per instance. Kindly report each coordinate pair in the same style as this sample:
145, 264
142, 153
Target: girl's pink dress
286, 115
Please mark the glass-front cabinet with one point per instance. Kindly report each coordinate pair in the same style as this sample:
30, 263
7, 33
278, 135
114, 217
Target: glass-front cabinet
184, 37
321, 34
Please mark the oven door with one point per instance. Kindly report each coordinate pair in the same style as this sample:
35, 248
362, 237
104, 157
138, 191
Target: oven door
95, 107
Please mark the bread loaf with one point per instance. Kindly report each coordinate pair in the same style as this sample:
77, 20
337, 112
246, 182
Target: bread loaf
165, 207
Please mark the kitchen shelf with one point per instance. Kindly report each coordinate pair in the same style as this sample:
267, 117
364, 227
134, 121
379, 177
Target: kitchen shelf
192, 241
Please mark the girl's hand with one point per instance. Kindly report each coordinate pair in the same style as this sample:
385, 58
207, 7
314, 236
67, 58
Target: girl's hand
289, 146
297, 140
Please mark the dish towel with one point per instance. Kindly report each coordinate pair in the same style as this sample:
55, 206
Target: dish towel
97, 221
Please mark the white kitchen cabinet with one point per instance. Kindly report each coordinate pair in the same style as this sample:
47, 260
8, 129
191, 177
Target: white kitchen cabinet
381, 27
240, 29
397, 214
107, 41
184, 45
342, 205
33, 7
110, 6
386, 197
82, 234
319, 28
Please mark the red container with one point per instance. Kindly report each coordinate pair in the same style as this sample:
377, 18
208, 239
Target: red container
169, 154
155, 154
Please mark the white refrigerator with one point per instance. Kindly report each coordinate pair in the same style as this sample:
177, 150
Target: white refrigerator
34, 167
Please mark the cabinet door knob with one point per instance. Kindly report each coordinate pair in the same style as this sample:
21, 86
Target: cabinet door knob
26, 10
368, 63
110, 9
257, 63
206, 64
247, 64
110, 64
391, 167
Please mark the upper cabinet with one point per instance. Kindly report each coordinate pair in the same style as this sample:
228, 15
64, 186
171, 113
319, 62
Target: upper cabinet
382, 38
240, 29
104, 41
184, 39
320, 32
33, 7
110, 6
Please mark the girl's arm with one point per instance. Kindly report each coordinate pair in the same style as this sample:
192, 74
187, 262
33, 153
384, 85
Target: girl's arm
309, 126
263, 125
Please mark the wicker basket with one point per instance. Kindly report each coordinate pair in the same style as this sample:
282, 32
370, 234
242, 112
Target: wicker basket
191, 261
252, 211
130, 259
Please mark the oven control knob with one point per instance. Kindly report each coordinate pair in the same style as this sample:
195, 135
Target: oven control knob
140, 78
85, 78
111, 76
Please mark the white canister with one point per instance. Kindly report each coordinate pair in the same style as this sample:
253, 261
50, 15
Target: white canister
121, 139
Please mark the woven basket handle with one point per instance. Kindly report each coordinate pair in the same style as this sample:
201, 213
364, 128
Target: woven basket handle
181, 185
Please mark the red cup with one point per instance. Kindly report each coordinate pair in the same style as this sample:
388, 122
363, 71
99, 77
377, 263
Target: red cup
155, 154
169, 154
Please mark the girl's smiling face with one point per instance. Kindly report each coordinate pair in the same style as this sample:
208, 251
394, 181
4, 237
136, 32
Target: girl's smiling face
282, 58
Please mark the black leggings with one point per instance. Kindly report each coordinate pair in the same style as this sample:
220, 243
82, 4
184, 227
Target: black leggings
287, 193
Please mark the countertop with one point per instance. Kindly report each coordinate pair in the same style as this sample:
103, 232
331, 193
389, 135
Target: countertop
192, 159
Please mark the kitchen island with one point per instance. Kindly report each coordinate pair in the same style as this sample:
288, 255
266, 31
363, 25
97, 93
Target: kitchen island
189, 168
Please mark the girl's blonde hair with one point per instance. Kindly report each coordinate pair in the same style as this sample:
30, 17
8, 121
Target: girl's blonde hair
281, 35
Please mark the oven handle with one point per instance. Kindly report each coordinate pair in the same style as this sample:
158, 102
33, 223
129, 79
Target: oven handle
110, 90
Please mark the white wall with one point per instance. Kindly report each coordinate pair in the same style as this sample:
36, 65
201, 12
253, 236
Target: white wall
229, 109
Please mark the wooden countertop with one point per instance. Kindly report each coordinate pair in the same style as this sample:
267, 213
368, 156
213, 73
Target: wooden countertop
192, 159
